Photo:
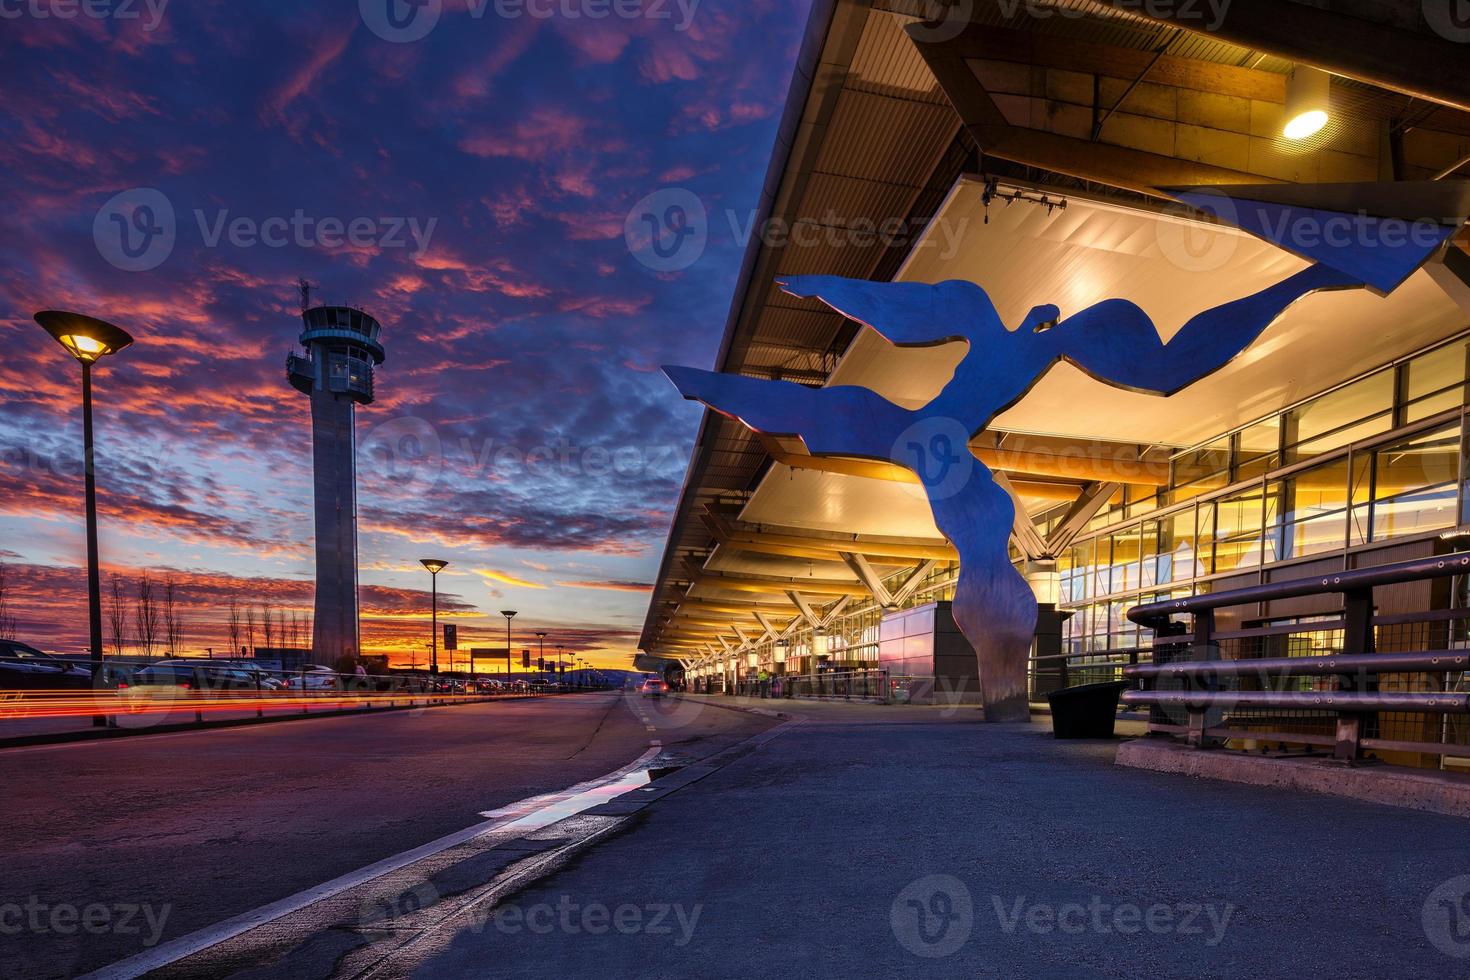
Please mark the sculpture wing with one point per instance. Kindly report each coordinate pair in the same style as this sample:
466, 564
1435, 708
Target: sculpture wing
843, 420
1117, 343
909, 314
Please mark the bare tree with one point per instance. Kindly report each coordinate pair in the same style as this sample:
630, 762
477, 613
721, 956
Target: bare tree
117, 613
7, 619
234, 626
250, 628
146, 617
173, 626
269, 625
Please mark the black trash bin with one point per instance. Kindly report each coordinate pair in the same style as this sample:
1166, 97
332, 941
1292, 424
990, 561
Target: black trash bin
1086, 711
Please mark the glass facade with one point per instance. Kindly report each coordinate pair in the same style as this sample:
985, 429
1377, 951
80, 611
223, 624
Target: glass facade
1375, 460
1378, 459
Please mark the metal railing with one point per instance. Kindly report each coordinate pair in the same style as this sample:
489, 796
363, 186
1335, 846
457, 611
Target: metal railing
1052, 672
1350, 682
849, 685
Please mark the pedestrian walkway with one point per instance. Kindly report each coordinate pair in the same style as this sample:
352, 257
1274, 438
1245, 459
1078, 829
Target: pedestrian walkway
836, 710
852, 846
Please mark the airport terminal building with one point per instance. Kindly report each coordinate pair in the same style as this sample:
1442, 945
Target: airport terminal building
1024, 148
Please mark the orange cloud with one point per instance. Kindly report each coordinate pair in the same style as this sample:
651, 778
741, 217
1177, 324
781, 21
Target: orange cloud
493, 576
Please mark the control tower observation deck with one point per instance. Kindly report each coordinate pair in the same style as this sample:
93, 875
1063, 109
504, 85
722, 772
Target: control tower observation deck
342, 347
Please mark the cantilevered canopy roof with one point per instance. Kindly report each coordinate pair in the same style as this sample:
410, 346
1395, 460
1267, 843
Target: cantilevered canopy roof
1099, 104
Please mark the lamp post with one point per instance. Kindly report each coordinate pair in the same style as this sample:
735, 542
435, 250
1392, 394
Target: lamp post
88, 340
509, 614
435, 566
541, 654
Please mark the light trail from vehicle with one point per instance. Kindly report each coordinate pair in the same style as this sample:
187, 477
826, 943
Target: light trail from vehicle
31, 704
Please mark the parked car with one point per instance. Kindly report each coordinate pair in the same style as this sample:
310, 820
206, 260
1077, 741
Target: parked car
22, 666
266, 681
185, 676
313, 677
653, 688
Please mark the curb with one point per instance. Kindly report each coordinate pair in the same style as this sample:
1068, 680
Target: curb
1412, 789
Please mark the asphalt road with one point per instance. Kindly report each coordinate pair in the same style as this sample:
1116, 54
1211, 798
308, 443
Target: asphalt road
110, 846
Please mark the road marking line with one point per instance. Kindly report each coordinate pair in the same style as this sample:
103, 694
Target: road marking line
202, 939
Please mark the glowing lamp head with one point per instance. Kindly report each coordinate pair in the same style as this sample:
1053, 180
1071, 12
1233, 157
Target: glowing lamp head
1307, 124
1308, 102
86, 338
434, 565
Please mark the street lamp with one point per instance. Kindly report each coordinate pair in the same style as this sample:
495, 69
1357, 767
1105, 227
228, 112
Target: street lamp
541, 655
435, 566
88, 340
509, 614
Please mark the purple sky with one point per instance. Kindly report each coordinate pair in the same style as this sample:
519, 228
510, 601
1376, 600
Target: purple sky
472, 189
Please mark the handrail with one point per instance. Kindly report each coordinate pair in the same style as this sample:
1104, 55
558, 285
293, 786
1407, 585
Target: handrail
1153, 613
1346, 663
1354, 699
1345, 701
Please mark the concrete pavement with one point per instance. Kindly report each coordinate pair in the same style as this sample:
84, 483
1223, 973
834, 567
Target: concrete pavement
852, 846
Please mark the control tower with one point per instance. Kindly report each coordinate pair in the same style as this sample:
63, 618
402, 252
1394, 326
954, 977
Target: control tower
342, 347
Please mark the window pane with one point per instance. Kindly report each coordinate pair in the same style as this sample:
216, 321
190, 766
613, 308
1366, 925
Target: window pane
1260, 449
1238, 537
1415, 485
1125, 560
1154, 571
1435, 382
1359, 410
1314, 518
1102, 582
1201, 471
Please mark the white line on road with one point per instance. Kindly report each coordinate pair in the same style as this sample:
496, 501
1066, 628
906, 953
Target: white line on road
194, 942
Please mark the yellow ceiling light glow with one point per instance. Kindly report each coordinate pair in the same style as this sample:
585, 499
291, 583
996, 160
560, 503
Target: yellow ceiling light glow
1308, 102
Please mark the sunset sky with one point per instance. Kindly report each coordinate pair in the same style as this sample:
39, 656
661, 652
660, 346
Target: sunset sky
521, 429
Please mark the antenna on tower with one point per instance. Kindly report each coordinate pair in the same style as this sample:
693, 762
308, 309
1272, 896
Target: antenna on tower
305, 288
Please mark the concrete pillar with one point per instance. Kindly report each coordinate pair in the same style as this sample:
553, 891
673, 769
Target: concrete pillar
334, 452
